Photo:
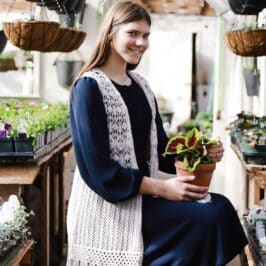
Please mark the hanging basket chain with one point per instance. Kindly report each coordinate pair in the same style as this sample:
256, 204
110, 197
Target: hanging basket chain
244, 7
45, 10
9, 9
31, 10
64, 10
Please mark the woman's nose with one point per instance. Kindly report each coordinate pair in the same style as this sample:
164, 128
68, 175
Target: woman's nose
141, 41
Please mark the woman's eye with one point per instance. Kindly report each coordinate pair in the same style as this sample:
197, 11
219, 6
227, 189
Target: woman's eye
132, 33
146, 36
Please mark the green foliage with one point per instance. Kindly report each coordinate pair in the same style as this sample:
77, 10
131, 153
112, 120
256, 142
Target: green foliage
15, 230
33, 118
203, 122
191, 148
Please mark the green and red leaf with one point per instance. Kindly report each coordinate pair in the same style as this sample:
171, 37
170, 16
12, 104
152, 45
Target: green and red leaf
174, 144
193, 137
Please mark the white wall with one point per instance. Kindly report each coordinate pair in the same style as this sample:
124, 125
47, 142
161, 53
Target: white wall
50, 89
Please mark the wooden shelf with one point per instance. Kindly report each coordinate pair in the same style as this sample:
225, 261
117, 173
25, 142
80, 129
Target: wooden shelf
254, 171
48, 172
21, 255
26, 174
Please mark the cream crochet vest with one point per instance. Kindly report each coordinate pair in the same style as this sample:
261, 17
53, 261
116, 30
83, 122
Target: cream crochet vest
101, 233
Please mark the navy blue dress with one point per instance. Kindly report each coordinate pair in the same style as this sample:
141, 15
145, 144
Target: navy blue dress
175, 233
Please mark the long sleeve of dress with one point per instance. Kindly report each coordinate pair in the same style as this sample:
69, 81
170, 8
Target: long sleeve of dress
91, 144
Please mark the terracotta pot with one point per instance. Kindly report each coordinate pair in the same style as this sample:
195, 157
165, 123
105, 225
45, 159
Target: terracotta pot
203, 173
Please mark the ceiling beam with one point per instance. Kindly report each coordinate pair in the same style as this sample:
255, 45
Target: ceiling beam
19, 5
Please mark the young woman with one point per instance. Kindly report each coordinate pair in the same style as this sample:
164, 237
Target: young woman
119, 212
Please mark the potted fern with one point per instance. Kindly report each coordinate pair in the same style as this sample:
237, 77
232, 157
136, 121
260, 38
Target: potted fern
191, 155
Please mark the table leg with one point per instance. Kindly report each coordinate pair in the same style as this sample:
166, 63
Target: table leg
45, 215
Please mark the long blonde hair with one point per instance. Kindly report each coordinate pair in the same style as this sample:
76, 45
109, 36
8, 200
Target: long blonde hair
121, 12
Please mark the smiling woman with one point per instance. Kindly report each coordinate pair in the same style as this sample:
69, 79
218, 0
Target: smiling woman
113, 217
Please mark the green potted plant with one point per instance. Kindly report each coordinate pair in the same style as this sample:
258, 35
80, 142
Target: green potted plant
191, 155
6, 143
14, 228
247, 39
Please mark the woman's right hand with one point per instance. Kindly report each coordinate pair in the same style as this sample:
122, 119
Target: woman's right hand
179, 189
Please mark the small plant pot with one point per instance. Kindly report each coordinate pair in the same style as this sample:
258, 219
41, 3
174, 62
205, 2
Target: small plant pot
23, 145
67, 71
203, 173
252, 81
6, 145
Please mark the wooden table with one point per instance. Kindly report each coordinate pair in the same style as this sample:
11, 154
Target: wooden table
49, 170
256, 183
256, 180
22, 255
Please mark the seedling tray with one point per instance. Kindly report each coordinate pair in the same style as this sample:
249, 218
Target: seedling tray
253, 155
258, 255
34, 153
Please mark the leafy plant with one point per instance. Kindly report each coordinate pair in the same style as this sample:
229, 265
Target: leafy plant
32, 118
191, 148
13, 224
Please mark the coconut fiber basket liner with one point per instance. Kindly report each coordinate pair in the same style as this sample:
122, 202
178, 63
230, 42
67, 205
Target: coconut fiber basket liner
31, 35
66, 40
247, 43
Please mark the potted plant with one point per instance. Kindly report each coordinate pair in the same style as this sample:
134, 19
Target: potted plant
68, 67
252, 80
247, 39
14, 227
6, 143
191, 155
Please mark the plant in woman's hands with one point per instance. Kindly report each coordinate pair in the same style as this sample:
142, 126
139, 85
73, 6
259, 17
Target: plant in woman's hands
191, 149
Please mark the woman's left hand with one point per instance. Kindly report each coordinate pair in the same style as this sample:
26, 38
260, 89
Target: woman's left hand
216, 152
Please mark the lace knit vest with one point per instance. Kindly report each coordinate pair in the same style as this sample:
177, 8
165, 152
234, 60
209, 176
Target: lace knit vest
101, 233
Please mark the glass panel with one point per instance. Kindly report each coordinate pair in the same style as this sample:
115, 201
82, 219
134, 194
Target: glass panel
19, 73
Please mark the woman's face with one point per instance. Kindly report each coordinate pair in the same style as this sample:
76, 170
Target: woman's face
130, 41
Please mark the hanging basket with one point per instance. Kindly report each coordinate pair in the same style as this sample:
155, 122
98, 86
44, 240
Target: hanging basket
247, 7
79, 39
66, 40
247, 43
32, 35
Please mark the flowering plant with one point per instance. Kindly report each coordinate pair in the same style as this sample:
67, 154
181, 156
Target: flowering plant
4, 130
191, 148
13, 224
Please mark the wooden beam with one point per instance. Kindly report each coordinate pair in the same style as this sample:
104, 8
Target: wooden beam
19, 5
22, 175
